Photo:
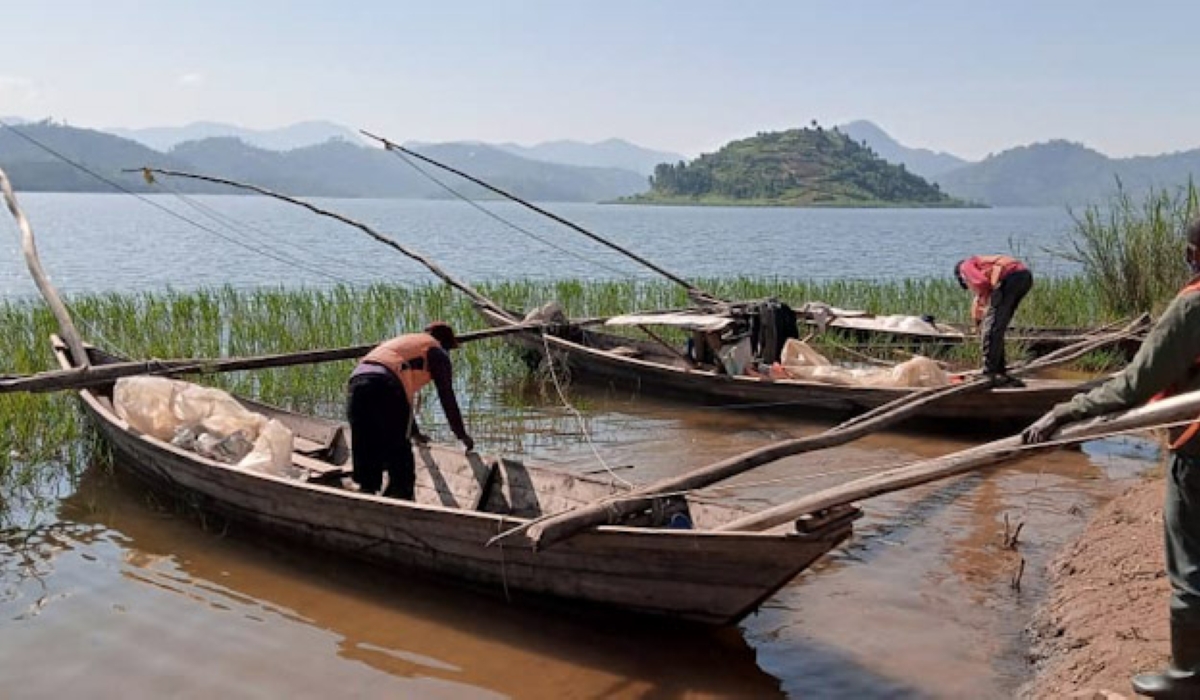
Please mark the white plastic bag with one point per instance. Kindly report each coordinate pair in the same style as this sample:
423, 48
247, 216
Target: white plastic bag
145, 403
736, 357
204, 420
272, 453
797, 353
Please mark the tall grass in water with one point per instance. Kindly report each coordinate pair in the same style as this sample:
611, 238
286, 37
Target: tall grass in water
1132, 251
44, 435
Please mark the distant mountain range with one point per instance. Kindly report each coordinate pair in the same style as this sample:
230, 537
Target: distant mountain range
333, 168
1058, 173
325, 158
310, 133
613, 153
1052, 173
919, 161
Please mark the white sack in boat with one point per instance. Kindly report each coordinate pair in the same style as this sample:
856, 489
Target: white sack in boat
145, 404
206, 420
898, 323
800, 361
272, 451
696, 322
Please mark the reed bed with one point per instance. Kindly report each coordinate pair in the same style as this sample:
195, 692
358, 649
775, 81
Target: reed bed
1131, 251
510, 408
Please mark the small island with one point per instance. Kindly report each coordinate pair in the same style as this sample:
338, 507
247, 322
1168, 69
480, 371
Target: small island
809, 167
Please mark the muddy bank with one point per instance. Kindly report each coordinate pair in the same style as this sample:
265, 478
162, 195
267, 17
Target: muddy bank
1106, 616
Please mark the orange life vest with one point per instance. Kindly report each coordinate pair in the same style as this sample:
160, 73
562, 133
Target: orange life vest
400, 353
998, 266
1194, 426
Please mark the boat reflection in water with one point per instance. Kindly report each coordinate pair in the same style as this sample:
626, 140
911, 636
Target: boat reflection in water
132, 596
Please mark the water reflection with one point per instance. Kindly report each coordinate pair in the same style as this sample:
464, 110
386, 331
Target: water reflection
172, 603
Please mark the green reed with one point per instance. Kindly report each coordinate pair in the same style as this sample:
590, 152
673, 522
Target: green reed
1131, 250
495, 385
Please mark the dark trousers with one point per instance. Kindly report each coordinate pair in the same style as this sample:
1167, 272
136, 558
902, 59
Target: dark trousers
1001, 306
1181, 518
379, 418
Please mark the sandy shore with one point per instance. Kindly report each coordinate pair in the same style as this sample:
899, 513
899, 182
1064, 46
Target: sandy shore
1106, 616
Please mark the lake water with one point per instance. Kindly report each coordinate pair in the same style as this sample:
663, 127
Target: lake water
93, 242
114, 594
118, 594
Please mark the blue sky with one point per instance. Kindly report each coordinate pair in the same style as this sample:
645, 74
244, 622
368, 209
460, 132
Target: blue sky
686, 76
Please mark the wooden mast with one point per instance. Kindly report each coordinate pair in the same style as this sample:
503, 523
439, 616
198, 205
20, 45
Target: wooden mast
28, 246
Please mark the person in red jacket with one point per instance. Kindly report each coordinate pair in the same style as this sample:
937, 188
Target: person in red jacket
999, 283
381, 398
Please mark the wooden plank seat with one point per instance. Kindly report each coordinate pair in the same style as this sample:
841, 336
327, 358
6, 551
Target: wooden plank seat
317, 443
319, 470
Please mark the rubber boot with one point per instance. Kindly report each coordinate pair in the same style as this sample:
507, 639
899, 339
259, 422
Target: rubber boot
1182, 677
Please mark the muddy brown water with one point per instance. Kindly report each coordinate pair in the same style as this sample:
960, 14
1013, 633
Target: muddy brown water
119, 595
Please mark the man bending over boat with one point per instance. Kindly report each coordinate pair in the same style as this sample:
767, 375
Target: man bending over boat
999, 283
1168, 362
382, 393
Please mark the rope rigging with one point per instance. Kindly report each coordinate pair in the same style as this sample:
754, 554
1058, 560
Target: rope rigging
285, 259
486, 212
693, 291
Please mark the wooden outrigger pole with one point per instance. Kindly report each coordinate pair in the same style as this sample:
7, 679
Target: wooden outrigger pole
556, 528
1177, 409
59, 380
693, 291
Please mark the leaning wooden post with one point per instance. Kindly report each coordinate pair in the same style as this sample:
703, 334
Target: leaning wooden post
556, 528
58, 380
65, 325
561, 526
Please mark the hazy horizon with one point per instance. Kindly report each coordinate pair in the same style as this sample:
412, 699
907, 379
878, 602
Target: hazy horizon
677, 76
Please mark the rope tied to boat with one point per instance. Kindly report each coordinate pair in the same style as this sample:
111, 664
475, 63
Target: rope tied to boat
575, 412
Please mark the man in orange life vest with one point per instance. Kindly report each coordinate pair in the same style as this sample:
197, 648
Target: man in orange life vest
1168, 362
999, 283
382, 393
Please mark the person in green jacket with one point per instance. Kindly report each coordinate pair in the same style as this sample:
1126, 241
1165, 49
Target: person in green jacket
1168, 362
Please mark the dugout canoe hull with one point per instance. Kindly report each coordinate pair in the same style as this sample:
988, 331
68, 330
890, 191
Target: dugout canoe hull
647, 366
699, 575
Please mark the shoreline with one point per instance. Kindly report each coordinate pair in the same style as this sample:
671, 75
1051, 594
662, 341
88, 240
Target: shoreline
1105, 618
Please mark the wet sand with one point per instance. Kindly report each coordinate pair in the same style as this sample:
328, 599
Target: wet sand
1106, 617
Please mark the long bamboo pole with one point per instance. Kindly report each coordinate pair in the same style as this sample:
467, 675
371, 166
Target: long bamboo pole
29, 247
551, 530
693, 291
59, 380
1177, 408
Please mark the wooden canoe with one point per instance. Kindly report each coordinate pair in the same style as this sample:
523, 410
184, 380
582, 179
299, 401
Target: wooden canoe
649, 366
462, 501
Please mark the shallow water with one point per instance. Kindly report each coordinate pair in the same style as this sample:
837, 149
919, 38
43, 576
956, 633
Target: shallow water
119, 592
